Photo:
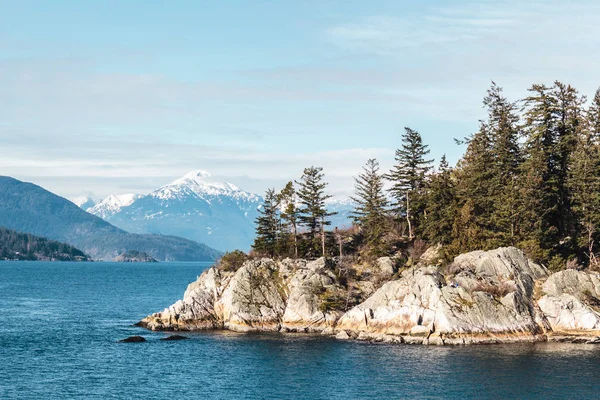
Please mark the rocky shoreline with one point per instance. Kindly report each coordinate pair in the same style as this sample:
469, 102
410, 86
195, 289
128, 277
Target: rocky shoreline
498, 296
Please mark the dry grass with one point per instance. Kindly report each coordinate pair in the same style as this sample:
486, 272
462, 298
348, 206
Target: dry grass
500, 290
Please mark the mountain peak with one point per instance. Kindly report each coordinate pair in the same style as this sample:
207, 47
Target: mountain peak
197, 174
200, 182
113, 204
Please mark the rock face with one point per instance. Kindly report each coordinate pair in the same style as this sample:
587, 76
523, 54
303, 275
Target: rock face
485, 296
570, 302
482, 297
260, 296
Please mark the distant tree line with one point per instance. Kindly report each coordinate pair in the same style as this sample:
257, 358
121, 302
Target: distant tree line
23, 246
530, 177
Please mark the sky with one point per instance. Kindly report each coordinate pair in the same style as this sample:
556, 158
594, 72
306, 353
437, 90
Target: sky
103, 97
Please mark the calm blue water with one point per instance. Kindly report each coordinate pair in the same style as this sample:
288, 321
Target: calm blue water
60, 322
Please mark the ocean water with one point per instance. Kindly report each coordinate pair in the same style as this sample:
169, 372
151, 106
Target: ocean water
60, 323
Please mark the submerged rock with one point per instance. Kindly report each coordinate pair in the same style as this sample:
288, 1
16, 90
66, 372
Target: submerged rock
133, 339
482, 297
175, 337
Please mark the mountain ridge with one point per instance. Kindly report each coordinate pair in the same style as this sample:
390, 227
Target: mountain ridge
27, 207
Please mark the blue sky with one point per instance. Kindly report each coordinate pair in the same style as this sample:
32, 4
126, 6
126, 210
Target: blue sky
100, 97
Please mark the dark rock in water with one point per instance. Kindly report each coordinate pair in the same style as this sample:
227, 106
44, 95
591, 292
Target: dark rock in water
133, 339
175, 337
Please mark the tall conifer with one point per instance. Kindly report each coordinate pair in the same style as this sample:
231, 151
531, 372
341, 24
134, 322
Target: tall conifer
408, 179
289, 213
370, 211
313, 212
267, 225
440, 205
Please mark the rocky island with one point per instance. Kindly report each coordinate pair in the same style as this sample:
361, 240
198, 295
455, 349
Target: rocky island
481, 297
134, 256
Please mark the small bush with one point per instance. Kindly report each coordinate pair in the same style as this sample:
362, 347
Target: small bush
232, 261
557, 263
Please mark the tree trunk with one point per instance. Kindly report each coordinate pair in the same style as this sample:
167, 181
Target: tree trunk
410, 232
323, 236
295, 240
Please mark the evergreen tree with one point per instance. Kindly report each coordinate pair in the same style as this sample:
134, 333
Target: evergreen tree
440, 205
408, 179
370, 212
472, 228
539, 190
267, 225
553, 121
502, 124
571, 122
290, 213
584, 182
313, 213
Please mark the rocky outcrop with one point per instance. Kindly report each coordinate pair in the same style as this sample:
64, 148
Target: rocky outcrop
482, 297
485, 296
571, 301
134, 256
261, 296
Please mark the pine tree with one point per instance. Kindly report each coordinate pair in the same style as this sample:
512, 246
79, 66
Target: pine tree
539, 190
408, 179
370, 212
290, 214
553, 120
472, 228
502, 124
571, 122
440, 205
584, 184
267, 225
313, 213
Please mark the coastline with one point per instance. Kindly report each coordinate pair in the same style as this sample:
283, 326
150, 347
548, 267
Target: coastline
498, 296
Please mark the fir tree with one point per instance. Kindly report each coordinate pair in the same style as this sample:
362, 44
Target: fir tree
502, 124
552, 123
370, 212
290, 214
440, 205
408, 179
584, 182
267, 225
571, 122
313, 213
472, 228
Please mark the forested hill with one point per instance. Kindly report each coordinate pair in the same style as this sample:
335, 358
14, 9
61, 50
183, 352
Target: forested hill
26, 207
24, 246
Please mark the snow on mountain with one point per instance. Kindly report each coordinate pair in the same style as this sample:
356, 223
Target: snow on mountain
343, 207
113, 204
200, 183
195, 206
84, 202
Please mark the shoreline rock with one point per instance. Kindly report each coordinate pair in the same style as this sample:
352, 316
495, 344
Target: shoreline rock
496, 296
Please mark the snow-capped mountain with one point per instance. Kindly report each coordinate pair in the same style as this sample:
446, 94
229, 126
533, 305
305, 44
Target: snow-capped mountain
195, 206
343, 208
200, 208
84, 202
113, 204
